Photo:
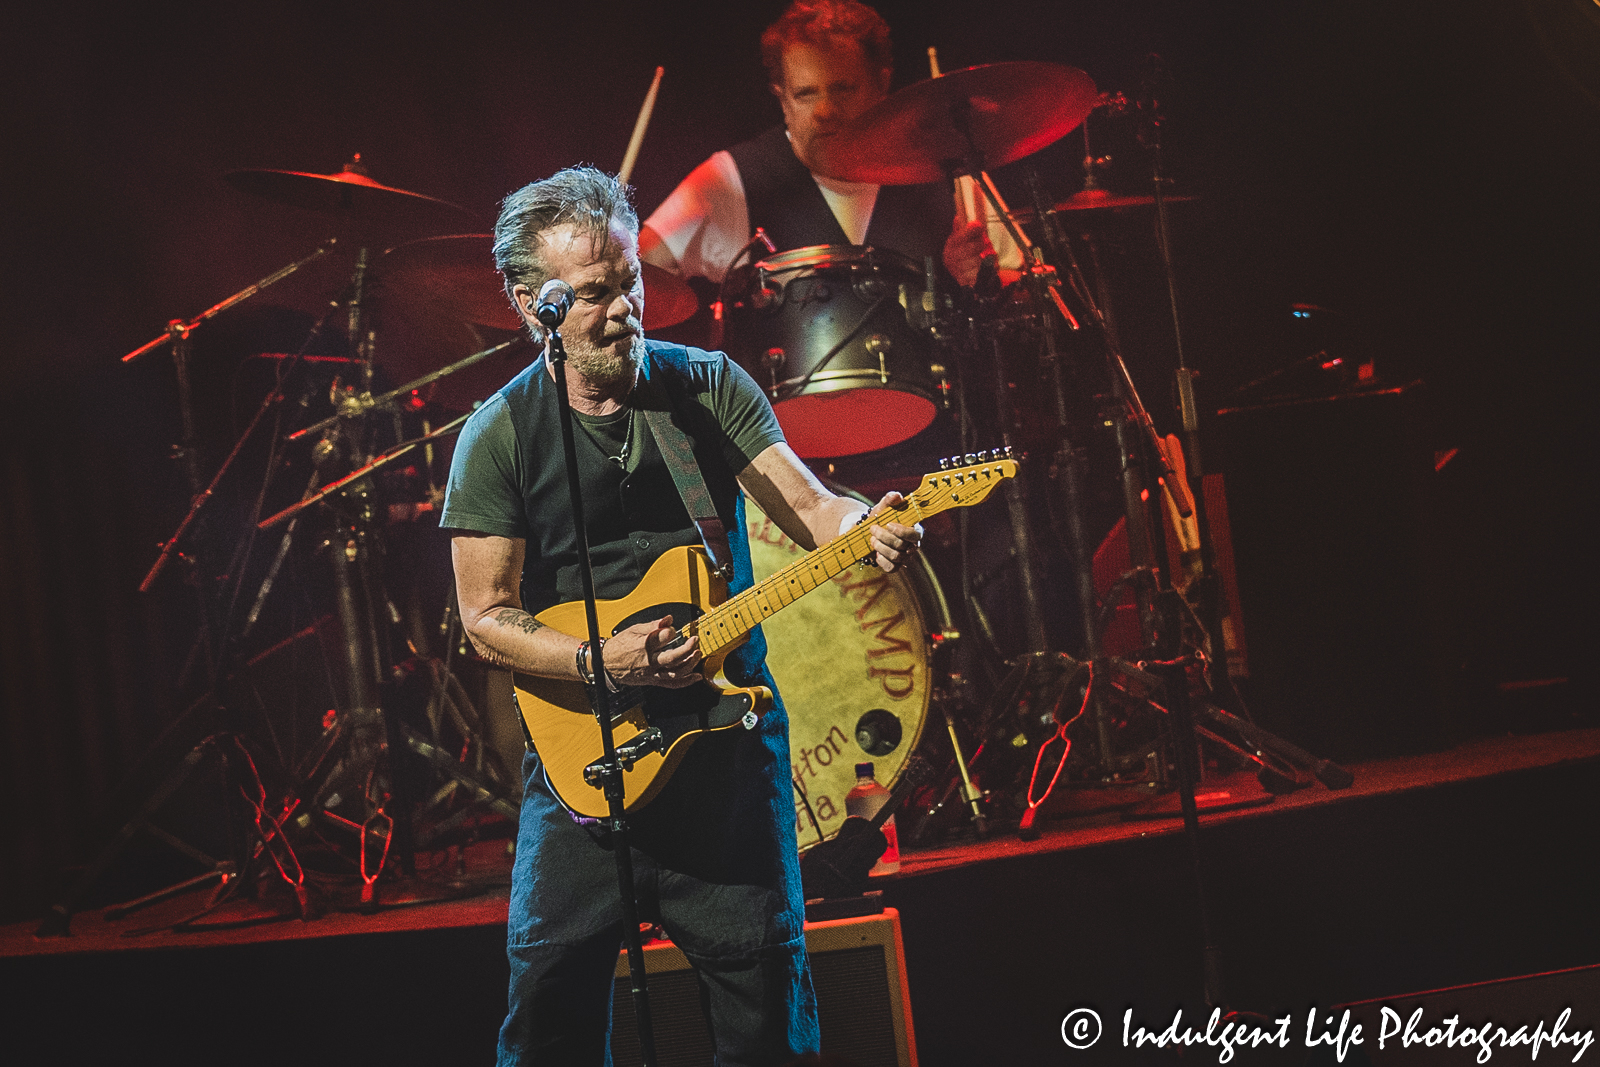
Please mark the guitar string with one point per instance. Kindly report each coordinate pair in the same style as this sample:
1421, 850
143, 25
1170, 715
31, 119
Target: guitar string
844, 547
732, 607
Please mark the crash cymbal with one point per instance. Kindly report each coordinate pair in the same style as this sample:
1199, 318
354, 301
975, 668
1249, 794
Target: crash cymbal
916, 135
1103, 200
352, 195
668, 298
456, 276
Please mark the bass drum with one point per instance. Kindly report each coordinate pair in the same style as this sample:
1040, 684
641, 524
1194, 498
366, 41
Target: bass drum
837, 335
852, 662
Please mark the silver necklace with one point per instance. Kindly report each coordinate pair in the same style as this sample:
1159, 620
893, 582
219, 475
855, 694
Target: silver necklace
621, 458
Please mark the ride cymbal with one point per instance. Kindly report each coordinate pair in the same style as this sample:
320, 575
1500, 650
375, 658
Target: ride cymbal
353, 195
927, 131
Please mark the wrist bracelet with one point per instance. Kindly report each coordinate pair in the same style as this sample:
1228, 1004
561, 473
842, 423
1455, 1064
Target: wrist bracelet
611, 683
586, 666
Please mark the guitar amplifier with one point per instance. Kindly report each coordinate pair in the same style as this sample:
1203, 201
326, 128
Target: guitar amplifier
863, 1003
1331, 507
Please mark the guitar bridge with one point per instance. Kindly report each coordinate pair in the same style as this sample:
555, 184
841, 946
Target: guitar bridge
649, 740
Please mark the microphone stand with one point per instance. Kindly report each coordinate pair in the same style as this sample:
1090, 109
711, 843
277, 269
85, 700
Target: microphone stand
1208, 585
610, 767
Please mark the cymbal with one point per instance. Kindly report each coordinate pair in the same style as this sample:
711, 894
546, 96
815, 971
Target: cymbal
1104, 200
351, 193
915, 135
456, 275
668, 298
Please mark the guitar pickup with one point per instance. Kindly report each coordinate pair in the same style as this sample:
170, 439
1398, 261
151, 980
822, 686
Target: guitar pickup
631, 752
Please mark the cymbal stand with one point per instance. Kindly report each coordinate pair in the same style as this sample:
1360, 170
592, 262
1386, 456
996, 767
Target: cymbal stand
211, 640
366, 734
1165, 644
366, 737
371, 734
950, 698
611, 766
1173, 681
1208, 587
1051, 672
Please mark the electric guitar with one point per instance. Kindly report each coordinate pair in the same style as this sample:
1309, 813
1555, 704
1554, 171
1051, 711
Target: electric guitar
653, 727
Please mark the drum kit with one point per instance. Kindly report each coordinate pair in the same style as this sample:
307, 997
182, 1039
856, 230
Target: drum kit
863, 352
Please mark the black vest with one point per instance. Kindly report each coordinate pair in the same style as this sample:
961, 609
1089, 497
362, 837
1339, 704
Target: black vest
783, 199
633, 517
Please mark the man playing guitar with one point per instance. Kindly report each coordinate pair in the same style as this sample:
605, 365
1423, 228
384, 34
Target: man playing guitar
715, 852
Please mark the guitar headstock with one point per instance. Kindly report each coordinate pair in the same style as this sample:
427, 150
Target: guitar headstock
964, 480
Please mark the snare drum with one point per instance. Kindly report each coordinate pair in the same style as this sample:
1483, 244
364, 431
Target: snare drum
835, 334
852, 663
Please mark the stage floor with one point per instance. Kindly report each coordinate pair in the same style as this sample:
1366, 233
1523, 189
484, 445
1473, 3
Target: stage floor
487, 867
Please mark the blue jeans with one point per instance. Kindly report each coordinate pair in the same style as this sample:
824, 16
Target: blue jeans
714, 861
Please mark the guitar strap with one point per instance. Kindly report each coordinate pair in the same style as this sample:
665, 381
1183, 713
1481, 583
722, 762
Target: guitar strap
679, 456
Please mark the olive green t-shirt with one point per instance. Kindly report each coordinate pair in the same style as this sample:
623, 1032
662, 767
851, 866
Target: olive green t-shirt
509, 479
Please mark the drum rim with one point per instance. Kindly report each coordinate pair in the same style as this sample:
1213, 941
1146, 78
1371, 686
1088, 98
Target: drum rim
817, 257
869, 379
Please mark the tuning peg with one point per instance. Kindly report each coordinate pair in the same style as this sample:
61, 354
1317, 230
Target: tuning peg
971, 458
1009, 454
983, 455
944, 463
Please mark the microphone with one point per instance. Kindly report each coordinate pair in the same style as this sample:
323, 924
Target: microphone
555, 300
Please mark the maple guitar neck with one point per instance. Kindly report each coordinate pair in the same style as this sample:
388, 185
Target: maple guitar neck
726, 624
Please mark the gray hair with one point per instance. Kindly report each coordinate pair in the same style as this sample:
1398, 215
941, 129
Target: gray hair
588, 198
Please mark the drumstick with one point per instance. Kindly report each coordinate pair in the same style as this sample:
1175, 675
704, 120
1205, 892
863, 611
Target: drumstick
631, 156
964, 186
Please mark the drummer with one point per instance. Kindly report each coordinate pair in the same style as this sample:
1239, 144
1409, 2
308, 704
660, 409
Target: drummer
828, 61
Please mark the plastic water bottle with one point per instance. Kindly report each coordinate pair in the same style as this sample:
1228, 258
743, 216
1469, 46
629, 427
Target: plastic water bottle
865, 800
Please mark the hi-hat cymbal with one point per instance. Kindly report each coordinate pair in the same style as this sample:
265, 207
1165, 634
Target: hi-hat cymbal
919, 134
1104, 200
456, 275
353, 195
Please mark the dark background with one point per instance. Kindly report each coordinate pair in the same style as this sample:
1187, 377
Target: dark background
1427, 169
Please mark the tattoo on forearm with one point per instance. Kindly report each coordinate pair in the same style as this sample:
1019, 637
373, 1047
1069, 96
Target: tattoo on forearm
517, 618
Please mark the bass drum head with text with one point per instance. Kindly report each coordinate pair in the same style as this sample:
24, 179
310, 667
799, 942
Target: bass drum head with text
852, 663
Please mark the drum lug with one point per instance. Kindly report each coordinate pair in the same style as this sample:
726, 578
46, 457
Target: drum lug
775, 357
879, 345
870, 288
763, 298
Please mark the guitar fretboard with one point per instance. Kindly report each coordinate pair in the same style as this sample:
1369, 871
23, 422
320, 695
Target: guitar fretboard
727, 623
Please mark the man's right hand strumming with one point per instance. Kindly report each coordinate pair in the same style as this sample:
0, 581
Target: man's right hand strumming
488, 572
651, 653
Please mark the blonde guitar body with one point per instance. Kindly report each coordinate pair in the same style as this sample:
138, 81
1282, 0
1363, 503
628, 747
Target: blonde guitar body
654, 728
563, 725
